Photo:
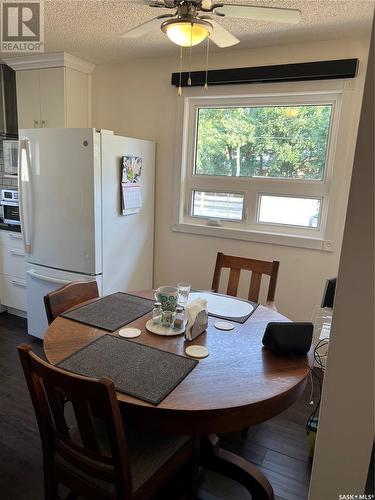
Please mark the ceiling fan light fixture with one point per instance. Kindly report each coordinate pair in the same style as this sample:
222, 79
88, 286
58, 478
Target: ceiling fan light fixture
186, 32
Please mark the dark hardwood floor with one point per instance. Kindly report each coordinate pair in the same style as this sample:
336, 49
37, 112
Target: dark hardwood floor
279, 446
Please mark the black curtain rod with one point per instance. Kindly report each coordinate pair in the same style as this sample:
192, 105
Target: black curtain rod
318, 70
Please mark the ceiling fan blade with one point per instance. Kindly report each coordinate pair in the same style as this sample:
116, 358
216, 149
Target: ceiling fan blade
163, 4
273, 14
220, 36
145, 28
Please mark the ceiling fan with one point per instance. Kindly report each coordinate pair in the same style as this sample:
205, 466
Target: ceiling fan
190, 23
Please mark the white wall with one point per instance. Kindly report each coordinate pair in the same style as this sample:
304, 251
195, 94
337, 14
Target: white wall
346, 421
136, 99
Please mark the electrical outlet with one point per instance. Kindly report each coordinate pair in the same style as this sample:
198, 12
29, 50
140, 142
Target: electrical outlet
328, 246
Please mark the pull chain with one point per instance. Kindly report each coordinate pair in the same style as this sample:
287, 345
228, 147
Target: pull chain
191, 50
179, 92
207, 53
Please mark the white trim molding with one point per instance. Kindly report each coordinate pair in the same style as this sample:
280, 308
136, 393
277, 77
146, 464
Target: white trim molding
49, 60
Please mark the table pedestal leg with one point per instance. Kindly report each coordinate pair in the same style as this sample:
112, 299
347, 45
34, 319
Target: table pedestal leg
234, 467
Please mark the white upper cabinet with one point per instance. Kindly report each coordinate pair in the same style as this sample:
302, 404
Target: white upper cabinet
52, 98
53, 91
28, 98
78, 98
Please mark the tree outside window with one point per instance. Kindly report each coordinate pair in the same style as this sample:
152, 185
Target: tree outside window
265, 141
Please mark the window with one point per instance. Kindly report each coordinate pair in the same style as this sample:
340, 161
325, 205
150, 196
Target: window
258, 164
288, 210
282, 142
222, 206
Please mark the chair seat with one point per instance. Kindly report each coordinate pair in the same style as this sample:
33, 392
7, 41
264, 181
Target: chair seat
148, 452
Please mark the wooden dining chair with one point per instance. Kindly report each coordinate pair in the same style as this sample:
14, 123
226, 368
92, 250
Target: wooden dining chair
68, 296
88, 451
257, 268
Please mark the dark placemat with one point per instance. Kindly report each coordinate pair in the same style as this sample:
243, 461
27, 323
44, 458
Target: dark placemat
111, 312
139, 370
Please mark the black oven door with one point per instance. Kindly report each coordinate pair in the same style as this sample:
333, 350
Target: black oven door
12, 214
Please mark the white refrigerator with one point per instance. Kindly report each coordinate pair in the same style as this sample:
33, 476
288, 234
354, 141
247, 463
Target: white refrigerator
71, 214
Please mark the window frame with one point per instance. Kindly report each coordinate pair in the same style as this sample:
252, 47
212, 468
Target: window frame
251, 229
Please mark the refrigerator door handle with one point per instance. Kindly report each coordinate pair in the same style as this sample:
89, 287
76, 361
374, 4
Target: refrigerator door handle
48, 279
25, 192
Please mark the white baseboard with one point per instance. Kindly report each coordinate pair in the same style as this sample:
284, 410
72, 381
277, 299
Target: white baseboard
16, 312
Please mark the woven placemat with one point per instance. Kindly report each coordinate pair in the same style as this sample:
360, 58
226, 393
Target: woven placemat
139, 370
111, 312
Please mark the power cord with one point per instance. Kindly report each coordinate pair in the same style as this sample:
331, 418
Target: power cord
321, 364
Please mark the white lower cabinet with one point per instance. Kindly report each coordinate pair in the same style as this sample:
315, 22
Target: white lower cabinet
13, 262
12, 271
13, 292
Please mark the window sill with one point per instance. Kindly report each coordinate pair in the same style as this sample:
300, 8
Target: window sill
256, 236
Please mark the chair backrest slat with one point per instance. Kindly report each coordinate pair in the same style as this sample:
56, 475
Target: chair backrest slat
55, 399
54, 393
68, 296
255, 282
85, 425
273, 281
257, 269
233, 281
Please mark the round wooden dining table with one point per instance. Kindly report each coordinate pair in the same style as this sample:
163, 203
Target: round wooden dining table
238, 385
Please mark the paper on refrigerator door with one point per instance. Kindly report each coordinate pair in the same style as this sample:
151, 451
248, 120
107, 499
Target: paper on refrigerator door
131, 189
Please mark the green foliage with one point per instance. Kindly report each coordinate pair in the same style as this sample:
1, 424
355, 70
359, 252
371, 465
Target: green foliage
270, 141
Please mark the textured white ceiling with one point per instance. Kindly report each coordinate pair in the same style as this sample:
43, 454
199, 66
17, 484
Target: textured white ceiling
90, 28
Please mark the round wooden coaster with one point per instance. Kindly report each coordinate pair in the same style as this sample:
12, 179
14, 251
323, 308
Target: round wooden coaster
196, 351
129, 333
224, 325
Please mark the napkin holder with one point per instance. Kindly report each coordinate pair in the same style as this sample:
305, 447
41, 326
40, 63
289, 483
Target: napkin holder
200, 325
197, 320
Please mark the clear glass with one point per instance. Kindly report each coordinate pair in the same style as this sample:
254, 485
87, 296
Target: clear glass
288, 210
265, 141
225, 206
183, 293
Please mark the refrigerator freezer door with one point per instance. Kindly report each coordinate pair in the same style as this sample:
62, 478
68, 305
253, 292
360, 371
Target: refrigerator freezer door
59, 177
128, 240
41, 281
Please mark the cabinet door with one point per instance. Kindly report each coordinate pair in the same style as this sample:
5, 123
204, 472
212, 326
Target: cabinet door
13, 292
52, 97
77, 91
28, 102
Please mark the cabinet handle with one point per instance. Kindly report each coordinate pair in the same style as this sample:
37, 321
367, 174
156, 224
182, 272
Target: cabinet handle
36, 123
18, 253
44, 123
18, 283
